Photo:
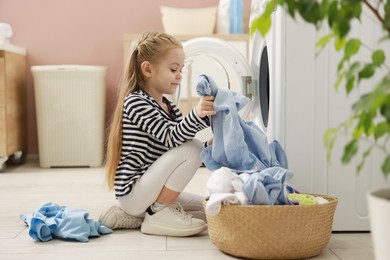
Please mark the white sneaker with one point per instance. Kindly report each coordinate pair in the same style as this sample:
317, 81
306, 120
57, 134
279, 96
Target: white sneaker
172, 221
116, 218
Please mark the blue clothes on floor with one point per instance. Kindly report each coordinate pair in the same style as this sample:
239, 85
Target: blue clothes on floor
237, 144
52, 220
269, 187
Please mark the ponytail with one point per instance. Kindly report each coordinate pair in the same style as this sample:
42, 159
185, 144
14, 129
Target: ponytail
151, 47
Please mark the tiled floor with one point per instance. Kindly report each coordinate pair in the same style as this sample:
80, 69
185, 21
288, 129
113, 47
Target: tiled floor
25, 188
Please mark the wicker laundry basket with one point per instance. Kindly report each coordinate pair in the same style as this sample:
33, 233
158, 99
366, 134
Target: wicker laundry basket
273, 232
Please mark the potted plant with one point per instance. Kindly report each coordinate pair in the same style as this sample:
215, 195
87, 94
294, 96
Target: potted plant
370, 114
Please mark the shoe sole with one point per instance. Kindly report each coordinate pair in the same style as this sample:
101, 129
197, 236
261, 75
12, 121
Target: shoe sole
154, 229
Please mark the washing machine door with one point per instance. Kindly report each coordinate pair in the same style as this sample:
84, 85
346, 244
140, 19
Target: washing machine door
227, 66
260, 61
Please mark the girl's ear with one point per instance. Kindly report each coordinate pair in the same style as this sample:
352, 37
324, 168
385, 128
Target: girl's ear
146, 68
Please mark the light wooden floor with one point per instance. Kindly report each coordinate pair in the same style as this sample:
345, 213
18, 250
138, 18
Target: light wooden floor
25, 188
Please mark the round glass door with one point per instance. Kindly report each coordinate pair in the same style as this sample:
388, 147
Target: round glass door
264, 86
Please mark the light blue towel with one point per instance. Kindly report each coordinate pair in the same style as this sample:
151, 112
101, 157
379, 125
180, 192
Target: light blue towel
52, 220
269, 187
237, 144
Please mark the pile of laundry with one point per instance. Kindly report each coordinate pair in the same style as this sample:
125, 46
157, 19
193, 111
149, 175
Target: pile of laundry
225, 187
246, 169
52, 220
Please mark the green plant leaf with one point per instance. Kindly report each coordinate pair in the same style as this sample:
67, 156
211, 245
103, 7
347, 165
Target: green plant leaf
350, 151
290, 7
340, 65
381, 129
385, 111
324, 40
310, 11
357, 132
329, 140
378, 57
366, 121
354, 67
263, 22
353, 8
367, 71
342, 26
321, 43
351, 48
339, 43
340, 77
346, 11
386, 20
366, 108
350, 84
332, 13
360, 166
386, 166
350, 76
363, 161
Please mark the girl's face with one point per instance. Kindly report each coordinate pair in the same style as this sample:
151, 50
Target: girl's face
165, 76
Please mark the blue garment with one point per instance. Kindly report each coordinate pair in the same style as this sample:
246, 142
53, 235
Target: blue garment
237, 144
269, 187
52, 220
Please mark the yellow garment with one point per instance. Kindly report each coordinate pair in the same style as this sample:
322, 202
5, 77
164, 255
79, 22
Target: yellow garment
303, 199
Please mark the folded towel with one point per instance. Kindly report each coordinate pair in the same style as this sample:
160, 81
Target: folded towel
52, 220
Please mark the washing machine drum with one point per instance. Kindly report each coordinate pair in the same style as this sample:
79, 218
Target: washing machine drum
229, 69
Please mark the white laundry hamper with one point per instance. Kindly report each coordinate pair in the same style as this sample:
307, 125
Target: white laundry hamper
70, 109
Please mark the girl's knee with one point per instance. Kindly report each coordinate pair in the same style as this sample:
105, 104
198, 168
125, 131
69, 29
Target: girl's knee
194, 147
196, 144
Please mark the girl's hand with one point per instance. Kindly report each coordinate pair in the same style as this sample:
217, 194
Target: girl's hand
205, 106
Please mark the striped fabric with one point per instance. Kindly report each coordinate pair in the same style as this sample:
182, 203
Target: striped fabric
148, 132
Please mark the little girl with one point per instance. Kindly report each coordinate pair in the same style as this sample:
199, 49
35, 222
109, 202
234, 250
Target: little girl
151, 153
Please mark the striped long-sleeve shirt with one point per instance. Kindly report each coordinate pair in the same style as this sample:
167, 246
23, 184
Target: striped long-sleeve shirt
147, 133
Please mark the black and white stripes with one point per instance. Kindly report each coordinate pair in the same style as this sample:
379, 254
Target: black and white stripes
147, 133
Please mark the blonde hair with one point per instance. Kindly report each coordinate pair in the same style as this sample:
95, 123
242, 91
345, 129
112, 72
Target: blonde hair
152, 46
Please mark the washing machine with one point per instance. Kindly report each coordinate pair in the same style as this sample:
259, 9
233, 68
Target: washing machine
253, 77
293, 101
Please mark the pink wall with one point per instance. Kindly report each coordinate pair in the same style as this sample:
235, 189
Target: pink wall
85, 32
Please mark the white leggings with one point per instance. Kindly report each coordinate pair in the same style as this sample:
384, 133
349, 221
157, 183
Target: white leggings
174, 170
